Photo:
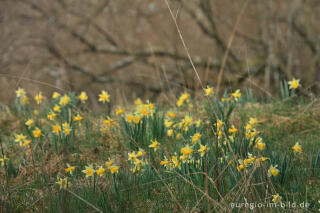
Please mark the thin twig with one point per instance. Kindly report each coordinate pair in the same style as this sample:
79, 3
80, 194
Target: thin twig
225, 57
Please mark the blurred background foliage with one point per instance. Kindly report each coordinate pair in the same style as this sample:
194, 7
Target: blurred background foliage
132, 49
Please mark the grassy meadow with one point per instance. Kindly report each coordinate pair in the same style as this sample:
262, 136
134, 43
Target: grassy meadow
215, 153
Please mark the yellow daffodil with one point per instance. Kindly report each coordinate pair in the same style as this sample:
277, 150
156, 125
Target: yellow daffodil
233, 130
249, 161
56, 95
155, 145
83, 97
196, 138
143, 111
184, 97
109, 163
38, 98
178, 136
36, 133
164, 162
89, 171
64, 100
203, 150
56, 129
110, 122
187, 150
130, 118
3, 160
100, 171
259, 143
219, 124
276, 198
137, 119
62, 183
168, 123
294, 83
297, 148
120, 111
208, 91
132, 156
236, 95
248, 127
57, 108
29, 123
69, 169
240, 167
141, 153
253, 121
77, 118
20, 92
114, 169
170, 132
171, 114
261, 146
24, 100
273, 171
176, 162
198, 123
66, 128
104, 96
26, 143
51, 116
138, 102
20, 138
185, 123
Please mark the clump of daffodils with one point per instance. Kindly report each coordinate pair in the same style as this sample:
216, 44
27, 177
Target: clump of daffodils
22, 96
236, 95
146, 109
219, 128
185, 123
251, 131
170, 164
251, 160
186, 153
137, 161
